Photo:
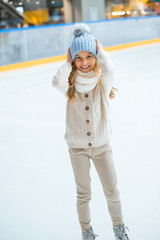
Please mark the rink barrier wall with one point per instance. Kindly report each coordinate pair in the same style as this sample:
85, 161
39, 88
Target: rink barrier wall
32, 43
63, 57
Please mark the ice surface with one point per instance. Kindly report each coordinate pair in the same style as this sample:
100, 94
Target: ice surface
37, 189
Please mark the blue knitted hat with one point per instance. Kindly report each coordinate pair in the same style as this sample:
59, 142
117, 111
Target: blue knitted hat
83, 40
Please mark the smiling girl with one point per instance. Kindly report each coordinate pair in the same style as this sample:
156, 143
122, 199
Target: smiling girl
87, 79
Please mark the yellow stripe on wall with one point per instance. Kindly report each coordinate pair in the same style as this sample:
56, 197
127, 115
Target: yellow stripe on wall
133, 44
63, 57
32, 63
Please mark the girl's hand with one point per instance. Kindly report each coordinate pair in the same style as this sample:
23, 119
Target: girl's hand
99, 45
69, 58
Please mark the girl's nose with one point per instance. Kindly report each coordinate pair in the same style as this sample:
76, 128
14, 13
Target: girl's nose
84, 61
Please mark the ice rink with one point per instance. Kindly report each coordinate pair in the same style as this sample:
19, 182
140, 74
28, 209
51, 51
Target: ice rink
37, 188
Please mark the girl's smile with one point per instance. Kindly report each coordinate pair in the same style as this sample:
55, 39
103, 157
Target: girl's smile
85, 61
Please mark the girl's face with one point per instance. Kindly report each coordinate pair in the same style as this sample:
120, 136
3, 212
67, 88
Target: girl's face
85, 61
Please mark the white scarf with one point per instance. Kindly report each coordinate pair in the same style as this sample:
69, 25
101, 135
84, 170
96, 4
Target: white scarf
85, 82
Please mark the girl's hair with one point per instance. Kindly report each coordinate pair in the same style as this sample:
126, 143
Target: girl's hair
71, 81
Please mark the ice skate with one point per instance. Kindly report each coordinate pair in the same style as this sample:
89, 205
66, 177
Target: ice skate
120, 233
88, 235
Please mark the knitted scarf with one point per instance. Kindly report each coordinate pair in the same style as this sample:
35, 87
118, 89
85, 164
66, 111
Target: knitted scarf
85, 82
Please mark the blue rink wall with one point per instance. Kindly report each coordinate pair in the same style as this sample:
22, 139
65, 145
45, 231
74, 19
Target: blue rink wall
25, 44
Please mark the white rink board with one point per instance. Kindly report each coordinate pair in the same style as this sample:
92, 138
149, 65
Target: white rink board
27, 44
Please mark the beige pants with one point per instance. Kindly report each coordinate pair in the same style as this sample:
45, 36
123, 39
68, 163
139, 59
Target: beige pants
103, 162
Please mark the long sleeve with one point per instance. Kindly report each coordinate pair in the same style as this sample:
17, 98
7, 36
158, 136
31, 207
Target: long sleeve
107, 70
60, 79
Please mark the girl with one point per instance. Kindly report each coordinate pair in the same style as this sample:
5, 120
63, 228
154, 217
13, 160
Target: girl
86, 78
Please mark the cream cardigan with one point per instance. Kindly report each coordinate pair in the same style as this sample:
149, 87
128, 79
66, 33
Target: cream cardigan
87, 117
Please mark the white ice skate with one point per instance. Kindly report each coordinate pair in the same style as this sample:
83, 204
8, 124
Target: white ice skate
88, 235
120, 232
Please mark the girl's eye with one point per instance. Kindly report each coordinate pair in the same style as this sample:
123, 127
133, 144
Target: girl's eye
89, 56
78, 58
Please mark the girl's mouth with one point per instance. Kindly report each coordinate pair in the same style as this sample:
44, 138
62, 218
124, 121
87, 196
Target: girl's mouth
85, 67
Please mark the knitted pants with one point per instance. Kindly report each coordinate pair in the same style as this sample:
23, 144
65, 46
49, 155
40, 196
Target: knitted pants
103, 162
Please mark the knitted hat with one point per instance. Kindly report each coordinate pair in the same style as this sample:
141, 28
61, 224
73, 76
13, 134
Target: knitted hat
83, 40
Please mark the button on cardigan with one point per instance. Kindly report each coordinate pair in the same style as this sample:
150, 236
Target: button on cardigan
87, 117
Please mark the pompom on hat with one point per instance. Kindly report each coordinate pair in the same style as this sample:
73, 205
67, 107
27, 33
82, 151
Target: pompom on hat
83, 40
